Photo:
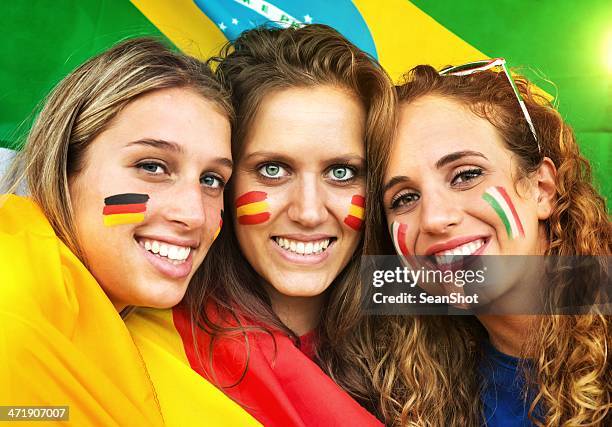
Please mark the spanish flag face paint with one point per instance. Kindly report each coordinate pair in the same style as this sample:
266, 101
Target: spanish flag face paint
218, 228
128, 208
356, 213
499, 200
252, 208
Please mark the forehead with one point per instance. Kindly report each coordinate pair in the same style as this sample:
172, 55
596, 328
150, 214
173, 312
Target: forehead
179, 115
432, 127
315, 120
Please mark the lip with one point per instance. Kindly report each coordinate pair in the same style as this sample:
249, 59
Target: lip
166, 268
305, 237
176, 241
293, 258
456, 242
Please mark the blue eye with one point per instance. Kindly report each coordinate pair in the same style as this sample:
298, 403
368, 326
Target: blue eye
152, 168
341, 173
404, 200
272, 170
211, 181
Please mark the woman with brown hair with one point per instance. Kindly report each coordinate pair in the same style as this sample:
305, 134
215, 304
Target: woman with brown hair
467, 135
282, 281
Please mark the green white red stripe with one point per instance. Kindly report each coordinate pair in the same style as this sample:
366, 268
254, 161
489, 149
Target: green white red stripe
500, 201
398, 234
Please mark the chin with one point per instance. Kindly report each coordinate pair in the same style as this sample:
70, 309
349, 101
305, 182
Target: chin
166, 298
300, 290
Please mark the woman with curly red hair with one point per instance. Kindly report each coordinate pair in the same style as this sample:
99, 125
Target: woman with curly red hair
464, 133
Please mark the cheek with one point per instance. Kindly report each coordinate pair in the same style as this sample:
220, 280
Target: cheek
500, 202
355, 215
126, 208
400, 235
252, 208
218, 229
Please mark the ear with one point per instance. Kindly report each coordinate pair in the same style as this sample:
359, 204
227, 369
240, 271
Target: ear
546, 191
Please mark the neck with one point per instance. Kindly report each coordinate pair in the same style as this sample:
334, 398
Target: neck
300, 314
507, 333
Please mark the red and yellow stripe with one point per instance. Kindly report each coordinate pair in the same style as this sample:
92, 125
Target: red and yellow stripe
252, 208
356, 213
219, 228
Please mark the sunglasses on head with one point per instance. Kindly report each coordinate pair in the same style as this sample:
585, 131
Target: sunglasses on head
487, 64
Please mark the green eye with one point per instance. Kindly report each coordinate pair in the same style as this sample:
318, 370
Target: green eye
341, 173
272, 170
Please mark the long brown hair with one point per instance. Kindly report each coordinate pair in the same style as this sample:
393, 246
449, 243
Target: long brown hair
423, 370
259, 62
84, 104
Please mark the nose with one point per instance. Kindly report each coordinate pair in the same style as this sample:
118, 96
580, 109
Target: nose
308, 202
440, 212
185, 206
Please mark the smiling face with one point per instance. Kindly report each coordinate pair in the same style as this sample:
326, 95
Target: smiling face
448, 168
298, 186
147, 202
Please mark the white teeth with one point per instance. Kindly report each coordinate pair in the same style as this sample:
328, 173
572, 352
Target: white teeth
174, 254
446, 257
163, 249
309, 248
302, 248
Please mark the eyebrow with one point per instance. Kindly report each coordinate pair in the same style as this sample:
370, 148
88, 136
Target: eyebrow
443, 161
224, 161
339, 159
174, 147
159, 143
449, 158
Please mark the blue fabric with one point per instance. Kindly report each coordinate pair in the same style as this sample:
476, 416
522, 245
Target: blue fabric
234, 17
503, 394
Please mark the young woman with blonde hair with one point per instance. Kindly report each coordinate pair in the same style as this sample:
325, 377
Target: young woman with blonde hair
125, 167
463, 132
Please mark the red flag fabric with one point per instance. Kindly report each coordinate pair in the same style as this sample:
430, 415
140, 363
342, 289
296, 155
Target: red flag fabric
280, 386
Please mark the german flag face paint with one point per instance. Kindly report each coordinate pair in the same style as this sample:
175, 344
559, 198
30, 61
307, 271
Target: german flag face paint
499, 200
218, 228
356, 213
398, 234
126, 208
252, 208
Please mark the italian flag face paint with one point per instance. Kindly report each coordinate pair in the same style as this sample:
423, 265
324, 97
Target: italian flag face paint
126, 208
252, 209
398, 234
355, 217
218, 228
499, 200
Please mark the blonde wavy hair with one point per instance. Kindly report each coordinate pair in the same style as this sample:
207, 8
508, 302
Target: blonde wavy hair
423, 370
84, 104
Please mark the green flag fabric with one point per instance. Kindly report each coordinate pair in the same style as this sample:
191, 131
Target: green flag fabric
565, 47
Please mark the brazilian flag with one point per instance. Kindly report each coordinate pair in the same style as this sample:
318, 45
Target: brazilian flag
564, 46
